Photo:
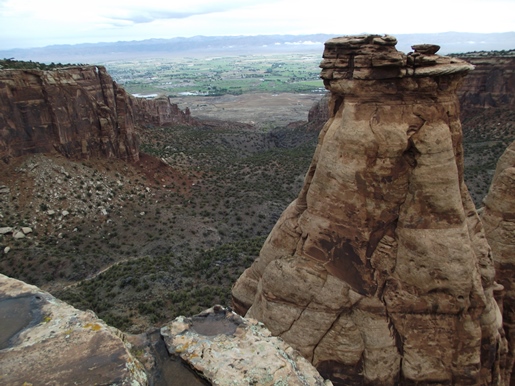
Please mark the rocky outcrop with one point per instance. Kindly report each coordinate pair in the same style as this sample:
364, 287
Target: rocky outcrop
79, 111
498, 218
44, 341
490, 85
160, 112
227, 349
319, 113
379, 272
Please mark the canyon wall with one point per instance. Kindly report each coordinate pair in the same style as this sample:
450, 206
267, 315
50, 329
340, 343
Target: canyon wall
79, 111
160, 112
379, 272
490, 85
318, 114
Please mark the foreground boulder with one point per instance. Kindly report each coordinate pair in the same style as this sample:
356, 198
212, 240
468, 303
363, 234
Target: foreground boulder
44, 341
499, 221
229, 350
379, 272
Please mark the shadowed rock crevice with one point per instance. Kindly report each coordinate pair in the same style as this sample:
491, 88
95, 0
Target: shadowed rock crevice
385, 218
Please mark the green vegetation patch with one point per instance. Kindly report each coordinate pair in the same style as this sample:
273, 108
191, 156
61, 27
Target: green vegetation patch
11, 63
153, 290
220, 75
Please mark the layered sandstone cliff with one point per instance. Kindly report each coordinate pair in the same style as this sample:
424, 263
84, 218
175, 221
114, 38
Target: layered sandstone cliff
490, 85
79, 111
498, 218
160, 112
319, 113
379, 272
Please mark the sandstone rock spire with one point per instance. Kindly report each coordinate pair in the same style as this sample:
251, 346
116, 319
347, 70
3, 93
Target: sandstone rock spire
379, 272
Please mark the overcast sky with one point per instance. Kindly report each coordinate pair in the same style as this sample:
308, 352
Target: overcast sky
36, 23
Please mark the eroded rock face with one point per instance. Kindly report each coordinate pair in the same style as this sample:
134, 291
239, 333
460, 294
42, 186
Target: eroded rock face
491, 84
319, 113
498, 218
160, 112
44, 341
78, 111
227, 349
379, 272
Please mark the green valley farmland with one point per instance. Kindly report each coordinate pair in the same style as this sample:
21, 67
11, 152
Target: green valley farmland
235, 75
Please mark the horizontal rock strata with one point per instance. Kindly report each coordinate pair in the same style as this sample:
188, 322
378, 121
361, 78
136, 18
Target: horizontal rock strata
379, 272
491, 84
160, 112
79, 111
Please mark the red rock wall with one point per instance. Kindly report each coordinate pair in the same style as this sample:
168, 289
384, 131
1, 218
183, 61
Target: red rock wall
490, 85
78, 111
319, 113
160, 112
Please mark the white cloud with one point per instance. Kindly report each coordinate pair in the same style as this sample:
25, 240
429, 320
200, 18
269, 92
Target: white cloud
32, 23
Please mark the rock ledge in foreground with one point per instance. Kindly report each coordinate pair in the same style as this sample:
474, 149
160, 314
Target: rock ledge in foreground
227, 349
44, 341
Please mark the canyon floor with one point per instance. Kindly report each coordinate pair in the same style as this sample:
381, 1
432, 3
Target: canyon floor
142, 243
264, 110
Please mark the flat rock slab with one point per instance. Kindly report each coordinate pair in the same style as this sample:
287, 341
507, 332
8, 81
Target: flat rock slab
44, 341
227, 349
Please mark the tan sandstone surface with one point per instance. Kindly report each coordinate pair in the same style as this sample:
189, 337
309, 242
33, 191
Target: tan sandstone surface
498, 218
227, 349
379, 272
44, 341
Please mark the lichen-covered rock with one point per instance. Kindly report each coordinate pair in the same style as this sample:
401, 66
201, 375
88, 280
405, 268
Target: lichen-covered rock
379, 272
498, 218
227, 349
44, 341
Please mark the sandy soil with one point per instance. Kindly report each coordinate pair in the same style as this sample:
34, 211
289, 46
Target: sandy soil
261, 109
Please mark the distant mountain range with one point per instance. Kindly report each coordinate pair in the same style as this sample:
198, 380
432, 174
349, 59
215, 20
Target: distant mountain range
451, 42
